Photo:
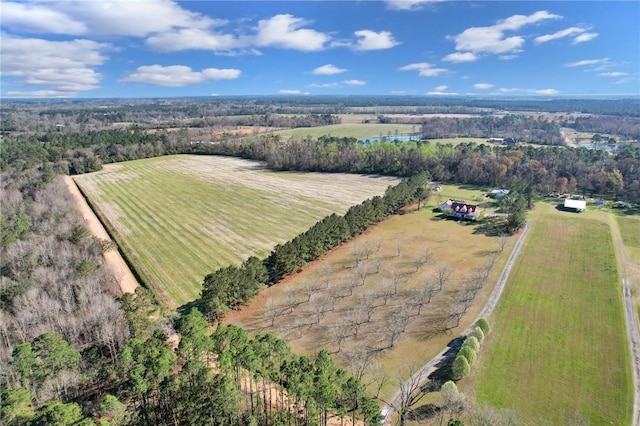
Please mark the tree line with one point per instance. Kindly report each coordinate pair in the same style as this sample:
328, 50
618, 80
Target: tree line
546, 169
227, 288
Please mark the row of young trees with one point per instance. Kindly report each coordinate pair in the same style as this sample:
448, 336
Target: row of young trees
466, 357
230, 287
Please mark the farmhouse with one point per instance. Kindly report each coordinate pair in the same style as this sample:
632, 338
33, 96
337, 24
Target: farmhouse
575, 205
464, 211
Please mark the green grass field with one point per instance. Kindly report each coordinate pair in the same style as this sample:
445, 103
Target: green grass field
179, 218
352, 130
630, 230
558, 353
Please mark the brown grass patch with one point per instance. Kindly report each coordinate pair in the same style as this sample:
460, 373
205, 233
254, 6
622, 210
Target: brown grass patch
320, 307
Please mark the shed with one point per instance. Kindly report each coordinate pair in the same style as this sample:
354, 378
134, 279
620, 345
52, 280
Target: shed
577, 205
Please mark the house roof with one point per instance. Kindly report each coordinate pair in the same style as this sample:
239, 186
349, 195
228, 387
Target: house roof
464, 208
575, 204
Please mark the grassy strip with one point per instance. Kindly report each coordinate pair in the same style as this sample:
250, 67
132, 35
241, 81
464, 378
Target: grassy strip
630, 230
559, 351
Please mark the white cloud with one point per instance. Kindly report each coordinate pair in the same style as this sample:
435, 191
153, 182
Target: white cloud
289, 92
559, 34
104, 18
492, 39
60, 67
424, 69
284, 31
588, 62
458, 57
371, 40
483, 86
441, 90
328, 69
516, 22
192, 38
536, 91
409, 4
338, 84
178, 75
325, 85
584, 37
614, 74
507, 57
34, 17
546, 92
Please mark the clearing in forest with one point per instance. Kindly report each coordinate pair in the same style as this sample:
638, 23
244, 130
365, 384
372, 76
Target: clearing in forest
558, 352
178, 218
393, 297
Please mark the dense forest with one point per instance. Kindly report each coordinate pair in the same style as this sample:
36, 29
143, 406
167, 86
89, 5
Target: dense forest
74, 352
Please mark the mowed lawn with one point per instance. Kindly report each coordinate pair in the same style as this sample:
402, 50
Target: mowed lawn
630, 230
179, 218
558, 353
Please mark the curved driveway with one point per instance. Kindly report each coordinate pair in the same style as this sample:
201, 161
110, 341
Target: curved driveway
430, 367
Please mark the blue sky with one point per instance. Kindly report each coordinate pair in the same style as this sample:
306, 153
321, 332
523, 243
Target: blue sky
158, 48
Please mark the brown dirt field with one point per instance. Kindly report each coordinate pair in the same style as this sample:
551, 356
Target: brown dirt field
112, 258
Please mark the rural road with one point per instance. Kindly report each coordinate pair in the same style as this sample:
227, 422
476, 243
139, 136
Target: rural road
634, 343
421, 375
626, 267
112, 257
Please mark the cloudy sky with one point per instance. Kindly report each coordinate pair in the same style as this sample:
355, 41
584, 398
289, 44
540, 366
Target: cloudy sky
157, 48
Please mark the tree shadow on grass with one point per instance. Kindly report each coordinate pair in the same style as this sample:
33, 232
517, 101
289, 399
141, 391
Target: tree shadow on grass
443, 368
491, 226
186, 308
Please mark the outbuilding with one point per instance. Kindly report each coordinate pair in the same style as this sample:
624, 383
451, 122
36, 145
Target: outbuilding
575, 205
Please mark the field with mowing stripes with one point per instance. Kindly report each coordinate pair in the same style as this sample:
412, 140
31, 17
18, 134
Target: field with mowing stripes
630, 230
558, 353
178, 218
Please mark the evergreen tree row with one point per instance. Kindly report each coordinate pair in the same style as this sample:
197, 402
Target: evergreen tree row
229, 287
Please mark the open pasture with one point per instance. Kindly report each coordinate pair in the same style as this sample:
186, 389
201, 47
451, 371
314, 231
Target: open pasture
375, 302
558, 353
178, 218
352, 130
630, 230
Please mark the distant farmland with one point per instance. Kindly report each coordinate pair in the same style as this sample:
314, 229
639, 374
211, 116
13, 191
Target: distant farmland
178, 218
353, 130
558, 353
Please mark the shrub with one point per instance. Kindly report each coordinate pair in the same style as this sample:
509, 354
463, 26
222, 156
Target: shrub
472, 342
484, 326
478, 334
469, 354
460, 368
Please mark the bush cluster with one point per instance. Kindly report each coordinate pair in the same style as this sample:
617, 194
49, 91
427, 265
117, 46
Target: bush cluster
467, 355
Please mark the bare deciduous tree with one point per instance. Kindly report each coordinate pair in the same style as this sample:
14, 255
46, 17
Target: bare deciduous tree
443, 274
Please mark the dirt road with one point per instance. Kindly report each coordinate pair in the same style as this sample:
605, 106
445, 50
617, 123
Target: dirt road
627, 268
112, 257
424, 372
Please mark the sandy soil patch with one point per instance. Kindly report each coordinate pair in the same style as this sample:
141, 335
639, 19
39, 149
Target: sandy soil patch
112, 257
